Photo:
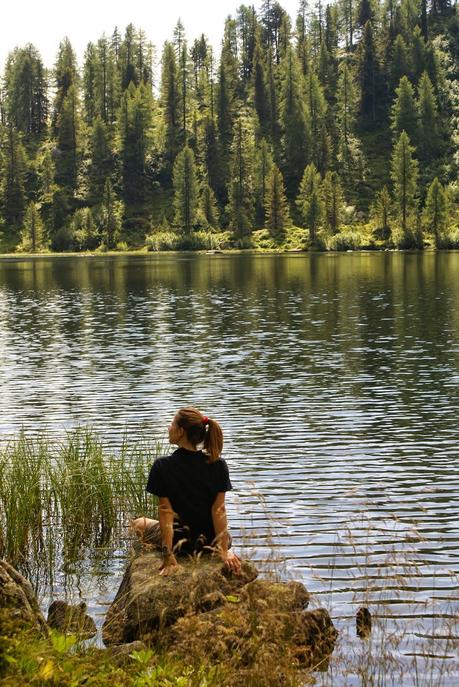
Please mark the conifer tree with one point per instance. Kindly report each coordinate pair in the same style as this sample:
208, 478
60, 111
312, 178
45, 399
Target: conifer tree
333, 201
240, 207
110, 220
381, 213
276, 206
346, 102
13, 176
310, 201
89, 83
170, 103
33, 234
399, 62
301, 36
213, 160
317, 113
209, 206
364, 13
186, 196
429, 126
68, 126
296, 139
404, 174
135, 138
26, 92
264, 163
261, 98
404, 114
84, 230
66, 77
101, 165
369, 74
435, 212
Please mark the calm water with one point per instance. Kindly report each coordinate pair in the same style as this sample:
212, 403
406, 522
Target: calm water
335, 378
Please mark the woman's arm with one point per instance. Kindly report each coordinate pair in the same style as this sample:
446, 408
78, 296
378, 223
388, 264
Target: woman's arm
166, 525
220, 523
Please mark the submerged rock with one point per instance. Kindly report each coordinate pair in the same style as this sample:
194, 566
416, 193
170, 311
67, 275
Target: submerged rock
205, 610
71, 619
18, 602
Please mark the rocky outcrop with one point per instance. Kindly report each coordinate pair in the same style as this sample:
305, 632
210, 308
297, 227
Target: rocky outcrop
71, 619
205, 610
18, 602
146, 601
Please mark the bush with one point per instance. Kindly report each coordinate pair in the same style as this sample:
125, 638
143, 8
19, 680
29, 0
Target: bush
198, 240
347, 239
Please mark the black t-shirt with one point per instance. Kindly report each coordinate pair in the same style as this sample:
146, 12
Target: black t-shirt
191, 484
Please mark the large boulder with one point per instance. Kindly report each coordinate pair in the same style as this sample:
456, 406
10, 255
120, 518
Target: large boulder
147, 601
204, 610
18, 603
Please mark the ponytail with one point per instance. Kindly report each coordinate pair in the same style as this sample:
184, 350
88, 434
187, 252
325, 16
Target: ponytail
213, 443
202, 430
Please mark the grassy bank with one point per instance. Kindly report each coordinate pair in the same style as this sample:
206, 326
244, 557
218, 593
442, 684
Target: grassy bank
58, 499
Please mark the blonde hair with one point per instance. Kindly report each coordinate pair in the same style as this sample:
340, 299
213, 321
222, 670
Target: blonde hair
200, 429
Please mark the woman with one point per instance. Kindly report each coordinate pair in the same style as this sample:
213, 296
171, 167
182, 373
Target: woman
190, 485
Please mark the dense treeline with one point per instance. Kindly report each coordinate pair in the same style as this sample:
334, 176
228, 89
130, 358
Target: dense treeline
340, 129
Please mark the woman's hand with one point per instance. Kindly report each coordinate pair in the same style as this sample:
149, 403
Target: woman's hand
232, 561
169, 565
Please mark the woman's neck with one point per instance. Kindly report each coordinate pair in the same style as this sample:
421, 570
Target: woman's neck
184, 443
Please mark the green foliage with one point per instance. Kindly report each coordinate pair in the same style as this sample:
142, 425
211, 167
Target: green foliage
381, 212
435, 215
240, 189
333, 201
13, 176
310, 201
84, 230
404, 113
186, 195
404, 174
33, 237
276, 205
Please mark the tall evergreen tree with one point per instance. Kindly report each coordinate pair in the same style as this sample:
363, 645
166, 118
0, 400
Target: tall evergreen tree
13, 174
240, 207
296, 132
435, 212
26, 92
101, 164
33, 233
67, 160
310, 201
89, 83
333, 201
347, 105
66, 77
404, 114
276, 206
404, 174
135, 139
209, 206
170, 104
399, 62
381, 211
264, 163
186, 195
317, 114
429, 124
369, 74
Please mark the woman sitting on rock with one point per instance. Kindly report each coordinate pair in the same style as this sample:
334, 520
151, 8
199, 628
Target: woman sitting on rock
190, 485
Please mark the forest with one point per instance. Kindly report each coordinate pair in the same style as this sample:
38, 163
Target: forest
336, 129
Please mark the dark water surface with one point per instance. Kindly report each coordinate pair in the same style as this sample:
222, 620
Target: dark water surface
335, 378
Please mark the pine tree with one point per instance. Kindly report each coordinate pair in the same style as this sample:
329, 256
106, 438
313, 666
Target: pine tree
264, 163
13, 176
399, 62
333, 201
404, 114
135, 137
404, 174
209, 206
346, 102
89, 83
381, 214
84, 230
276, 206
67, 160
170, 104
33, 237
261, 98
364, 13
186, 194
369, 73
429, 126
101, 164
66, 77
26, 92
435, 212
317, 113
240, 207
296, 140
310, 201
110, 220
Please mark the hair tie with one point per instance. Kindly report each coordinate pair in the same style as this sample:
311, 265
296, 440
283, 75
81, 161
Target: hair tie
205, 420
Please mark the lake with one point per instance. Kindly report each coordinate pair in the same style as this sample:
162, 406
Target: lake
335, 378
